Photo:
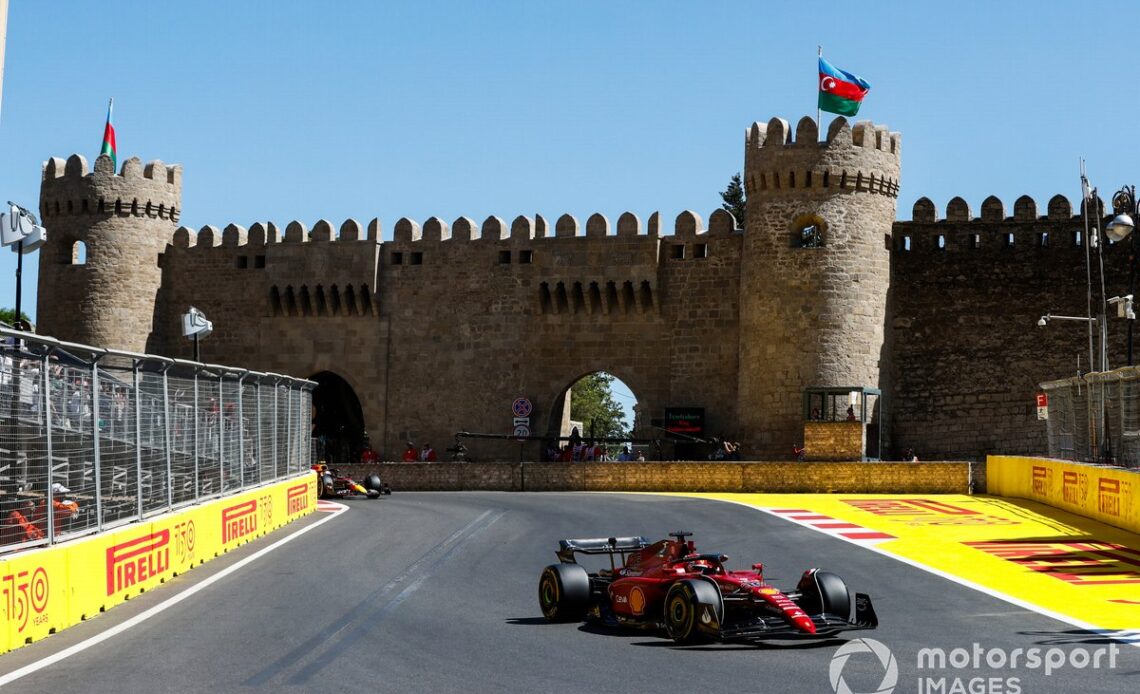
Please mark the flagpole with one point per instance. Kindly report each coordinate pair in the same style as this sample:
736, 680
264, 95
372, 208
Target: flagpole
818, 55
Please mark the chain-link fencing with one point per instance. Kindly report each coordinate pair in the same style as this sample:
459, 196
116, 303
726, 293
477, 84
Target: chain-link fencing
1096, 417
103, 437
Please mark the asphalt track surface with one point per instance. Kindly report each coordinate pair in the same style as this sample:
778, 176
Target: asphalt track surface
437, 592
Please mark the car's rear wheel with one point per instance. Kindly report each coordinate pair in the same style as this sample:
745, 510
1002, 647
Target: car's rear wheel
688, 605
564, 592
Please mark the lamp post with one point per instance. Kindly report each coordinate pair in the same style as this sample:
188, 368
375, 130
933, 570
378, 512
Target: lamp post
20, 230
195, 326
1124, 205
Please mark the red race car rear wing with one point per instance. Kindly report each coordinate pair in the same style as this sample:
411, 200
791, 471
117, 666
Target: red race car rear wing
599, 545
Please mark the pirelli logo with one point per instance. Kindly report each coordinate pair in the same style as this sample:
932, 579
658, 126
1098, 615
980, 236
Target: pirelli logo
137, 560
1040, 480
239, 521
1069, 481
1108, 496
297, 499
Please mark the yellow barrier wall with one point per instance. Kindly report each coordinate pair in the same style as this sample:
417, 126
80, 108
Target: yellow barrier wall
45, 590
1106, 494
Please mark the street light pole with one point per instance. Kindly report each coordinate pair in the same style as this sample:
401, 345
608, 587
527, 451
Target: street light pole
1126, 208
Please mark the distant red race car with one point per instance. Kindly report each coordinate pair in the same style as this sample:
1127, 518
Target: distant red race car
668, 585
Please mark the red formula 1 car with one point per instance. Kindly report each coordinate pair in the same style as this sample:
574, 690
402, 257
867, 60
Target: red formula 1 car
331, 484
692, 596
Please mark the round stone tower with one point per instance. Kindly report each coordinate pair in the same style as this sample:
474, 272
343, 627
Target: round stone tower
815, 270
99, 270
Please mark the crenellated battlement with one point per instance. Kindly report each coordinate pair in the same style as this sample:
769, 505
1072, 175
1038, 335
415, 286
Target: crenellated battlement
687, 225
993, 210
152, 190
863, 158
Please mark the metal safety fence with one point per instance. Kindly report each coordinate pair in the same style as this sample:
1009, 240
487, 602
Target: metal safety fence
103, 437
1095, 417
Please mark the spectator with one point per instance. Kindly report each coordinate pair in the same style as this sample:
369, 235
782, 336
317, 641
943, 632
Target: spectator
815, 414
427, 455
850, 413
624, 456
368, 456
16, 524
410, 455
64, 509
589, 452
641, 456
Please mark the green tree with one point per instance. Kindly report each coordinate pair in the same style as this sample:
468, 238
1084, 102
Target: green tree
733, 197
8, 315
592, 403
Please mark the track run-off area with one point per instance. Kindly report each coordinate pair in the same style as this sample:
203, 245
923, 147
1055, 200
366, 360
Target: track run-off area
437, 592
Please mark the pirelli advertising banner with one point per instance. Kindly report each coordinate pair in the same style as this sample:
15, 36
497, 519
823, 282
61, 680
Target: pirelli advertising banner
1105, 494
50, 589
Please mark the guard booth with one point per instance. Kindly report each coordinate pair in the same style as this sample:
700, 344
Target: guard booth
842, 423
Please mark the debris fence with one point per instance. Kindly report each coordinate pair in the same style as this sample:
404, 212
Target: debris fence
1095, 417
103, 437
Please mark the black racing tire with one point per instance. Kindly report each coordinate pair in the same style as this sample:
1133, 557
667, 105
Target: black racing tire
372, 481
327, 487
685, 610
564, 592
826, 593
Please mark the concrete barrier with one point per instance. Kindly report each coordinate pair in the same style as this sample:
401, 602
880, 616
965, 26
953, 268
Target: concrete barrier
740, 477
1107, 494
49, 589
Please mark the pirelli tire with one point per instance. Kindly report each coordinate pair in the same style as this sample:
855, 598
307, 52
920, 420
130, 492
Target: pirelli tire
694, 611
823, 592
564, 592
326, 487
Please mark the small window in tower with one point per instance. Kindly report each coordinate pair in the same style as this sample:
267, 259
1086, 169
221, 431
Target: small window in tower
975, 241
677, 251
526, 257
809, 231
242, 262
1078, 239
397, 258
78, 253
700, 250
941, 242
906, 243
258, 261
1043, 240
417, 258
1009, 240
504, 257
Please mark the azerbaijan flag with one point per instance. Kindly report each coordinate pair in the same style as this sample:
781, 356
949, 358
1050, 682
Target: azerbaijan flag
840, 91
109, 137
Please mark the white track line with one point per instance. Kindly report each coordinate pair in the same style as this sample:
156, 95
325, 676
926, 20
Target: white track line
1127, 636
160, 607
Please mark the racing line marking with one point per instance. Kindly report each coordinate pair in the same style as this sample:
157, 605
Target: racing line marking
160, 607
827, 524
1127, 636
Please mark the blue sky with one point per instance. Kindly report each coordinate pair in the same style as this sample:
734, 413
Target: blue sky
301, 110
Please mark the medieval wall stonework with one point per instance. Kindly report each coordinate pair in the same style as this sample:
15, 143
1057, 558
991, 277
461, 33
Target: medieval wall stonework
438, 330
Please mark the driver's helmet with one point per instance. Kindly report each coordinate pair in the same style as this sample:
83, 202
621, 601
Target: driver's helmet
700, 566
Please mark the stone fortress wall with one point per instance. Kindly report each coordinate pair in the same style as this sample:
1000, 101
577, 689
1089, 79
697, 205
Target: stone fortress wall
438, 330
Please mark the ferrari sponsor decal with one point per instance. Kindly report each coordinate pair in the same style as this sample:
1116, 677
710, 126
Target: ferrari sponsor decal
1084, 563
927, 512
137, 560
637, 601
239, 521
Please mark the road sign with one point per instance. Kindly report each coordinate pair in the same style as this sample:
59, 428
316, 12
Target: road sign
521, 432
522, 420
1042, 400
521, 407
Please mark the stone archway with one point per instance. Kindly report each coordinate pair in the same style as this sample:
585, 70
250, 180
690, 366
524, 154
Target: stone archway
560, 420
338, 419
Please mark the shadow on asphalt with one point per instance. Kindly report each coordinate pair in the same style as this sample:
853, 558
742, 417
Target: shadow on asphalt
1070, 636
527, 621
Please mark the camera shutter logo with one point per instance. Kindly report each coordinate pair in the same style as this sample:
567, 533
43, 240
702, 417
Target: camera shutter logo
880, 650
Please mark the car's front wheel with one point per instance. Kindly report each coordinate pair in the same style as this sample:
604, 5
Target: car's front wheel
688, 606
